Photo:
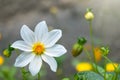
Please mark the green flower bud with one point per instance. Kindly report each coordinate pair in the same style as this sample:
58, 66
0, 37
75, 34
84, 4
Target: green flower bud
89, 15
7, 52
105, 50
78, 46
77, 49
82, 40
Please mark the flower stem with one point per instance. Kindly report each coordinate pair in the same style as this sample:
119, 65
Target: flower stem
109, 60
92, 43
88, 55
23, 73
116, 76
105, 71
38, 76
91, 37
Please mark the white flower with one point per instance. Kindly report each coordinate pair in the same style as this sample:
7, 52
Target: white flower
37, 46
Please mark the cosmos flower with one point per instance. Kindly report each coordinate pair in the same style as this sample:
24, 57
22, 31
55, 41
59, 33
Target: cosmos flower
37, 46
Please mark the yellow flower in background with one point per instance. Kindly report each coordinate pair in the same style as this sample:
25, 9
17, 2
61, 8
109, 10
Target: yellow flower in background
111, 67
89, 15
53, 10
97, 54
1, 60
83, 66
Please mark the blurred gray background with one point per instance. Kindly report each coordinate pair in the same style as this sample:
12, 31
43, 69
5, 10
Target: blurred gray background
69, 17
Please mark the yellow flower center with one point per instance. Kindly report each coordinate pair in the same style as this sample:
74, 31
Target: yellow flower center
38, 48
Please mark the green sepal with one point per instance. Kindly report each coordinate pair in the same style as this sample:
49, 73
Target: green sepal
8, 51
81, 40
105, 50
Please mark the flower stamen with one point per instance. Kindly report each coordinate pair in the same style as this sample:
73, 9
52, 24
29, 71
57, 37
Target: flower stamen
38, 48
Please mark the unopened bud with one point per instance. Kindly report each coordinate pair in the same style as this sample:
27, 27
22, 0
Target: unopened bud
105, 50
77, 49
7, 52
82, 40
89, 15
78, 46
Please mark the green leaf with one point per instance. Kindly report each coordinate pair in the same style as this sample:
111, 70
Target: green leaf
88, 75
7, 73
110, 75
118, 69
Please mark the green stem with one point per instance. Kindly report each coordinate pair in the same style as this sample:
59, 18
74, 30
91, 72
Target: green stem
92, 43
90, 58
38, 76
105, 71
88, 55
109, 61
105, 76
116, 76
91, 37
23, 73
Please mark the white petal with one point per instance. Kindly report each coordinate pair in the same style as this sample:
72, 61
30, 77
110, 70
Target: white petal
27, 35
52, 37
24, 59
40, 30
35, 65
51, 61
55, 51
21, 45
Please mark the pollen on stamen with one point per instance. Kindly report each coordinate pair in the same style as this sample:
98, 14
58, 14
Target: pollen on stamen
38, 48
